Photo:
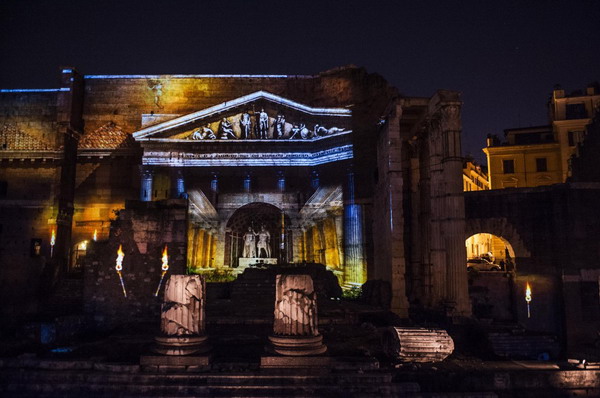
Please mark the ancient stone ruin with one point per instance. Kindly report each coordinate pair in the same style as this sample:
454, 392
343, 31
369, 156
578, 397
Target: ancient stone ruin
295, 327
413, 344
182, 317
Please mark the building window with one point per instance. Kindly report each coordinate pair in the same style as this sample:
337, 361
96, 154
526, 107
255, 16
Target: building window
541, 164
576, 111
508, 166
575, 137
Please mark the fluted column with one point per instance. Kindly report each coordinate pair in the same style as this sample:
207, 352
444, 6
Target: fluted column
437, 213
457, 296
182, 317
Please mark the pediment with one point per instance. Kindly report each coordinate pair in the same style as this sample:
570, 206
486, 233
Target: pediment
258, 116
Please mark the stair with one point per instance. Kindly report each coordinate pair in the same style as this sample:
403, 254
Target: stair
52, 383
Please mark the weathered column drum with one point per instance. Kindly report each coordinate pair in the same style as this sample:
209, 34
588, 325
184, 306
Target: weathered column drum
182, 321
295, 330
411, 344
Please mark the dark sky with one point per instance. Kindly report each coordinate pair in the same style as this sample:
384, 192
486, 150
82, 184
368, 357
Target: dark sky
504, 56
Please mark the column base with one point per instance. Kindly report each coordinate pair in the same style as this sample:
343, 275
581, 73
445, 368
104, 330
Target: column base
181, 345
296, 345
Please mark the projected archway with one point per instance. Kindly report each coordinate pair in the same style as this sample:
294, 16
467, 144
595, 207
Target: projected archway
257, 230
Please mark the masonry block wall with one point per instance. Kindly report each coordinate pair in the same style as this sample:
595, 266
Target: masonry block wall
143, 229
553, 231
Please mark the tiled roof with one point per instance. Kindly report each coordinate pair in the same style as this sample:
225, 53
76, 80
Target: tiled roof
13, 139
109, 136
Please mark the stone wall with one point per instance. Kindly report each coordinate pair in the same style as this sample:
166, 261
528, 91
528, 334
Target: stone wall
143, 229
553, 233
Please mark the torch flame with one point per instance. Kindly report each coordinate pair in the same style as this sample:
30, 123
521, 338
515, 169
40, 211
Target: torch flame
120, 256
95, 235
53, 238
527, 292
165, 259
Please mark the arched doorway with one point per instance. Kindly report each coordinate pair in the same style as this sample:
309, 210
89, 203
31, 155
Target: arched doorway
257, 216
495, 249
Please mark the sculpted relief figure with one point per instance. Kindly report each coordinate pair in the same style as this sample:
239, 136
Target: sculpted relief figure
249, 244
301, 130
450, 118
279, 126
226, 130
322, 131
203, 133
304, 132
263, 125
264, 243
246, 125
295, 131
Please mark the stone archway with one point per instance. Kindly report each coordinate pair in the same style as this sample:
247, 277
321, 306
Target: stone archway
254, 216
501, 228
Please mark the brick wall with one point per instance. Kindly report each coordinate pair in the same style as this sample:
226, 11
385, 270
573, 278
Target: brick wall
143, 229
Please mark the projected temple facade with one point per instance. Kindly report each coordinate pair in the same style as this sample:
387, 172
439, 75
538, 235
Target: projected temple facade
336, 168
269, 180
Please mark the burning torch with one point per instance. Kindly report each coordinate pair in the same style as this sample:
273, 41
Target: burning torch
119, 267
95, 235
528, 298
165, 268
52, 242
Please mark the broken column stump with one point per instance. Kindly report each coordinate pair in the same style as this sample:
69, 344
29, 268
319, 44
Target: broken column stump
182, 321
295, 327
412, 344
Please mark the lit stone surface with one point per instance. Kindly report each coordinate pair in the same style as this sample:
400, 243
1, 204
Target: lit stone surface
295, 306
183, 307
409, 344
296, 327
182, 317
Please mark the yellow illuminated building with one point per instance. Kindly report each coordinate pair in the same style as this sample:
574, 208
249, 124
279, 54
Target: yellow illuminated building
534, 156
474, 177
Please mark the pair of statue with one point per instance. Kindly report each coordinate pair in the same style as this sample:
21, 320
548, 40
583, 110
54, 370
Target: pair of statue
262, 125
252, 248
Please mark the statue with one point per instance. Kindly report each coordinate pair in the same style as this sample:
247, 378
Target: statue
249, 244
246, 125
264, 242
295, 131
226, 130
263, 125
205, 133
322, 131
279, 126
304, 132
295, 328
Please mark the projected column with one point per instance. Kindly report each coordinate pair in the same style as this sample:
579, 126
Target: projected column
179, 191
355, 271
214, 188
147, 176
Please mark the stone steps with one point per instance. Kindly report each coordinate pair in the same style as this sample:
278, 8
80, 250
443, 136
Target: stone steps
510, 345
43, 383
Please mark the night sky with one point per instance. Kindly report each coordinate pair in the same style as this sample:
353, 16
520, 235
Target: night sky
505, 57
